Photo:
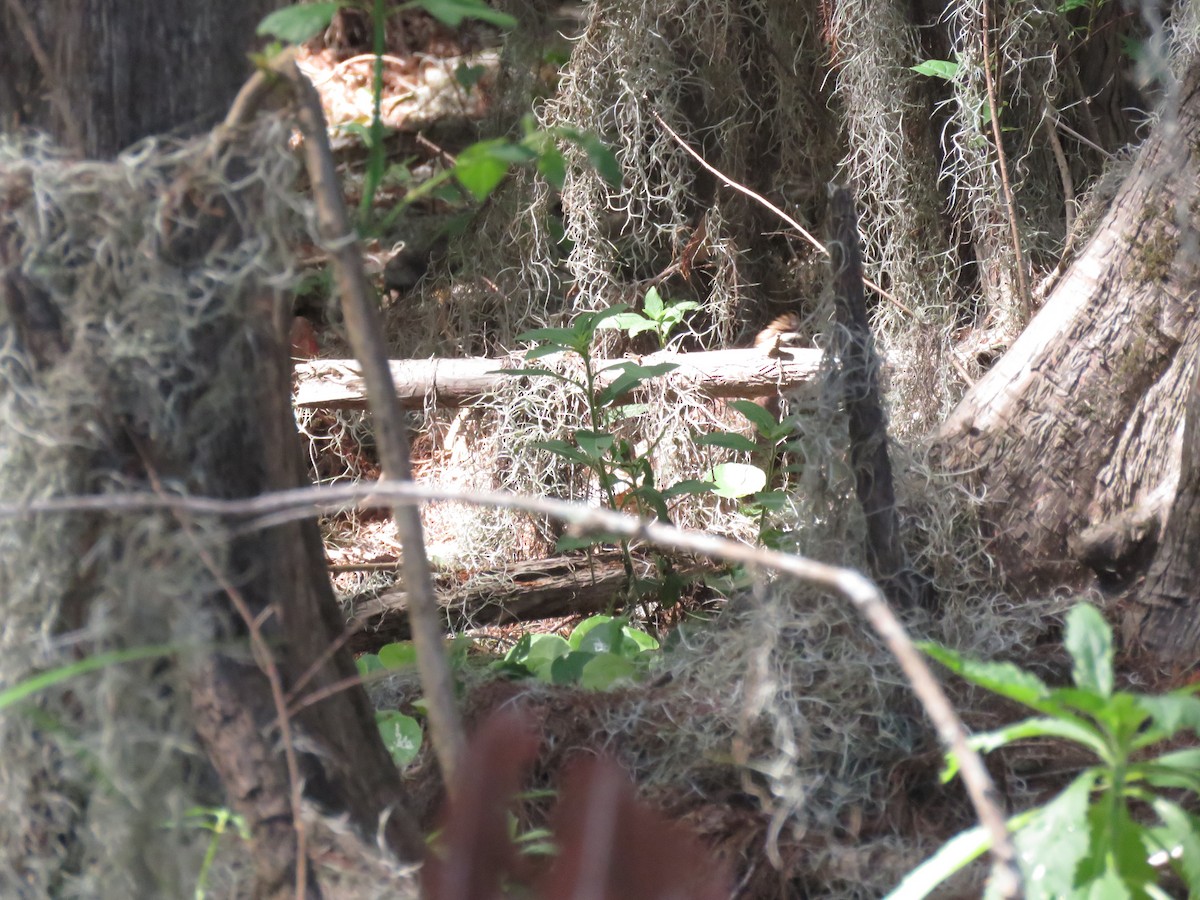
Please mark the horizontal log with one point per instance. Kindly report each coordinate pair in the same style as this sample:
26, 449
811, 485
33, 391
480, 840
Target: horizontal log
752, 372
534, 589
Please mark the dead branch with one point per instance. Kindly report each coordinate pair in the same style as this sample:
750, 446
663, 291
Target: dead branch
365, 330
338, 383
533, 589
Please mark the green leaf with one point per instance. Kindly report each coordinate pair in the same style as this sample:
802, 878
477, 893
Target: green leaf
368, 663
1088, 639
401, 735
594, 443
653, 304
569, 542
937, 68
1116, 854
469, 76
641, 639
632, 323
762, 420
560, 337
689, 486
958, 852
398, 655
552, 166
599, 155
1177, 769
604, 670
1081, 733
566, 451
452, 12
543, 649
569, 669
1176, 841
34, 684
482, 166
296, 24
772, 501
632, 375
1003, 678
1170, 713
598, 634
735, 480
1056, 840
728, 439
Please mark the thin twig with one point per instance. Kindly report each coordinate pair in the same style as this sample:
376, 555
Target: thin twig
365, 331
270, 510
800, 229
1010, 207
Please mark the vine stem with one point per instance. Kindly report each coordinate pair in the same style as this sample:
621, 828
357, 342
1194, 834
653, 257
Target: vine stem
1010, 208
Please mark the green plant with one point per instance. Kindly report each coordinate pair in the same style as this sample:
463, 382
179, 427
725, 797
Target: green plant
600, 652
218, 821
622, 469
480, 167
656, 316
1115, 829
748, 482
402, 734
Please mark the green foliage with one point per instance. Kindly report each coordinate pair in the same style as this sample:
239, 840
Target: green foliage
656, 316
300, 23
25, 689
401, 734
945, 69
601, 652
297, 24
479, 168
218, 821
748, 482
1112, 831
623, 471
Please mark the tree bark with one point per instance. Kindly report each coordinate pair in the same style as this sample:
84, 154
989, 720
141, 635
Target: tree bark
132, 70
1077, 424
859, 381
1164, 614
125, 70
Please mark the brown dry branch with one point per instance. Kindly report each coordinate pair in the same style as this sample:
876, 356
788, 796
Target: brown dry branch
365, 331
534, 589
759, 198
1010, 208
269, 510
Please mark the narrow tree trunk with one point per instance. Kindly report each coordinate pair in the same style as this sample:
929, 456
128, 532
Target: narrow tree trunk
859, 377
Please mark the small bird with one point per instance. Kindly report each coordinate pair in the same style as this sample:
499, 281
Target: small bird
784, 331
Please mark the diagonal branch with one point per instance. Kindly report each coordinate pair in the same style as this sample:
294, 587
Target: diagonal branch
269, 510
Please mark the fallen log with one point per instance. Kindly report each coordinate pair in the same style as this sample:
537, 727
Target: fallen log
534, 589
751, 372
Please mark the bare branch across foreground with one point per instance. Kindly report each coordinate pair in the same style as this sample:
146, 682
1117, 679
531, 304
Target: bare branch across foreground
277, 508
